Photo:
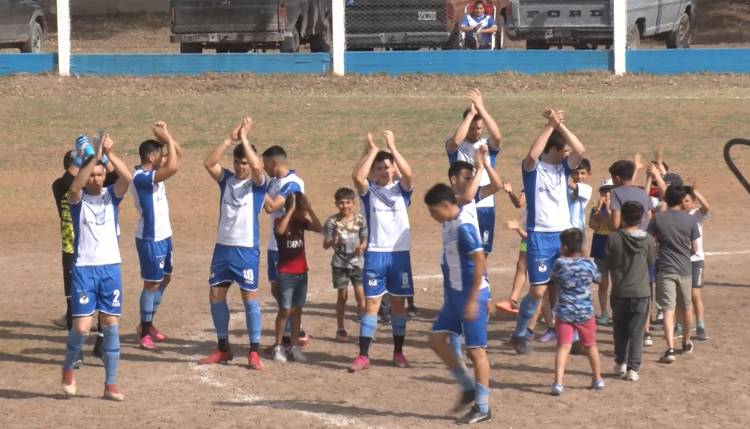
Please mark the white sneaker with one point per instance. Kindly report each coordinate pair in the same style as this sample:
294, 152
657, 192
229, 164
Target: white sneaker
296, 355
632, 375
278, 354
620, 370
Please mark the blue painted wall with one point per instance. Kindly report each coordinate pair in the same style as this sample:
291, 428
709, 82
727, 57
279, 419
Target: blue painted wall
195, 64
476, 62
676, 61
27, 63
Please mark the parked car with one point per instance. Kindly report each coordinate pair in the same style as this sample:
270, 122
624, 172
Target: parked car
586, 24
22, 25
243, 25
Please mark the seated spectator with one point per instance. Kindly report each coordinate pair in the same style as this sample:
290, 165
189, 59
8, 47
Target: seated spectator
479, 28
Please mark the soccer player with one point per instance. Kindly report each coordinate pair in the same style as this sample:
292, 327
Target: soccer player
464, 310
545, 172
385, 203
96, 282
284, 182
236, 255
153, 235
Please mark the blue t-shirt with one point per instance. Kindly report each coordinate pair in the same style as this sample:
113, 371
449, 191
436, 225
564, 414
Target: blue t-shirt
486, 21
574, 277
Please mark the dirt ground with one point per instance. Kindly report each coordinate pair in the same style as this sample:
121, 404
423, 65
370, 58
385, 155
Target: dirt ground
320, 121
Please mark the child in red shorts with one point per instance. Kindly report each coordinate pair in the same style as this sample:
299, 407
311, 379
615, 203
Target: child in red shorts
573, 276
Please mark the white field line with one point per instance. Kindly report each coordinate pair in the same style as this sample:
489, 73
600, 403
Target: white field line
542, 96
729, 253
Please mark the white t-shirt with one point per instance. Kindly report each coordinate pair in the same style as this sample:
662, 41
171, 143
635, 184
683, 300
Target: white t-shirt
95, 228
240, 205
578, 205
546, 189
465, 152
386, 212
699, 218
282, 186
152, 206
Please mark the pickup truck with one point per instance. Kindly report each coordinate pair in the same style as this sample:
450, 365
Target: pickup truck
22, 25
244, 25
587, 24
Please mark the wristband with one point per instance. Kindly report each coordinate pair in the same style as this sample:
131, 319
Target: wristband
105, 159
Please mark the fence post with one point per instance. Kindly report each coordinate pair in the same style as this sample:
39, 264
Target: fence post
63, 37
620, 30
339, 37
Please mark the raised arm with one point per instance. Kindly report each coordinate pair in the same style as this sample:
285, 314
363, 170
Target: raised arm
656, 176
407, 176
211, 163
123, 173
256, 165
518, 201
362, 169
315, 224
537, 148
496, 183
577, 148
705, 208
79, 182
463, 128
496, 137
471, 191
638, 162
170, 168
282, 225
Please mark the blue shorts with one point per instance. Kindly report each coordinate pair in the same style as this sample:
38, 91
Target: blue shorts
96, 288
542, 251
155, 258
273, 263
486, 220
451, 318
388, 272
291, 290
235, 264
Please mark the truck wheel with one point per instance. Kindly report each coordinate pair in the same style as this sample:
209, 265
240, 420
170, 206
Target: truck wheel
322, 42
634, 37
191, 48
36, 37
680, 38
536, 44
291, 44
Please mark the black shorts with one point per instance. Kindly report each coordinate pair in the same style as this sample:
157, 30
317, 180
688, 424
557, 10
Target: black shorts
67, 266
698, 274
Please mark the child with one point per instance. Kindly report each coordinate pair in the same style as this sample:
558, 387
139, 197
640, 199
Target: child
630, 251
573, 276
291, 272
346, 233
579, 194
622, 173
677, 234
510, 306
599, 222
464, 310
700, 214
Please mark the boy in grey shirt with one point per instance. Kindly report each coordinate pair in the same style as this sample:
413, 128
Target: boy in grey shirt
346, 232
677, 234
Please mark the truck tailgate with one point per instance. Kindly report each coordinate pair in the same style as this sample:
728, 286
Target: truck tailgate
225, 16
396, 16
556, 13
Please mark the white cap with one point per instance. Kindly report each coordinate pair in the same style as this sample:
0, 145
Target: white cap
607, 183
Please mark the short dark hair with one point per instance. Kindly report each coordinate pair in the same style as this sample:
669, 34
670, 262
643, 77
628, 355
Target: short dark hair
382, 156
556, 140
440, 193
689, 191
674, 195
288, 201
475, 118
274, 151
572, 238
666, 167
584, 165
68, 159
148, 147
457, 167
239, 151
624, 169
344, 194
632, 213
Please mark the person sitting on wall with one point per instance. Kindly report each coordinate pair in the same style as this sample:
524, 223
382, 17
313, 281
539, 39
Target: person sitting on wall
478, 27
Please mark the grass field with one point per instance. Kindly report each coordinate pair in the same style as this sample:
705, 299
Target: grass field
321, 121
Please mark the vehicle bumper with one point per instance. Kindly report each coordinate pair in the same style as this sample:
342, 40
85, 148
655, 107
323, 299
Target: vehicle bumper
562, 36
433, 38
227, 38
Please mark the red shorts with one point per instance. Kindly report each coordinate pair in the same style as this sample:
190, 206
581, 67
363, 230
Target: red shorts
586, 332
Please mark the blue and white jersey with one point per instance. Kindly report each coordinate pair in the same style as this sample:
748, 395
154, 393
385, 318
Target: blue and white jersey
465, 152
282, 186
460, 240
485, 21
578, 205
95, 227
386, 211
151, 204
546, 189
239, 207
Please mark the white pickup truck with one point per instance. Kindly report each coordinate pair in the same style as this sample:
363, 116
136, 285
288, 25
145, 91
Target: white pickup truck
587, 24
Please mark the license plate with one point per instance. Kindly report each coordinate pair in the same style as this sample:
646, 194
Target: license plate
427, 15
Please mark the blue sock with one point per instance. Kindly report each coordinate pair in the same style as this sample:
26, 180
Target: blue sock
455, 341
367, 325
220, 315
253, 320
482, 398
525, 313
158, 296
463, 378
111, 352
73, 348
147, 305
288, 327
398, 324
